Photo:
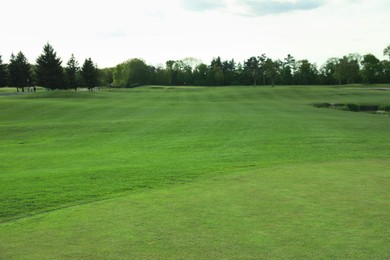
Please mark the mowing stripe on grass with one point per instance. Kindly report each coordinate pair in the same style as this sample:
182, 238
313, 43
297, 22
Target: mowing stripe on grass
65, 148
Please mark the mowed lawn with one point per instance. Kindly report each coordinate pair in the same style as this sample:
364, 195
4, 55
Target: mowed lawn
192, 172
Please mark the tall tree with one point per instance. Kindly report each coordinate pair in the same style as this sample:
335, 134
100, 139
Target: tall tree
72, 70
271, 70
287, 70
191, 62
200, 75
159, 76
216, 76
119, 75
371, 71
138, 73
90, 74
262, 60
252, 68
340, 69
49, 73
171, 72
328, 71
229, 70
346, 70
386, 51
385, 64
352, 70
3, 74
184, 72
19, 71
106, 76
306, 73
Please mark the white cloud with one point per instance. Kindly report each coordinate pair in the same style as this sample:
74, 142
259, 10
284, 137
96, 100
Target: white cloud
252, 7
203, 5
263, 7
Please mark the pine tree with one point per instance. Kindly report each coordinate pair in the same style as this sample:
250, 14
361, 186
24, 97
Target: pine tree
49, 73
72, 71
3, 74
90, 74
19, 71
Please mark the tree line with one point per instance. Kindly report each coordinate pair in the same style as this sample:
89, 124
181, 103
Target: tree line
257, 70
48, 72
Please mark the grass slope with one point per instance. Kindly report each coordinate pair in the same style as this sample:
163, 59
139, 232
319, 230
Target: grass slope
61, 149
312, 210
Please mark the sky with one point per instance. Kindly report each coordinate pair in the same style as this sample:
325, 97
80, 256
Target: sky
113, 31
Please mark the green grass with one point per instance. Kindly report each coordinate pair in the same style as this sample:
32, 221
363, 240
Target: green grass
233, 172
6, 90
325, 210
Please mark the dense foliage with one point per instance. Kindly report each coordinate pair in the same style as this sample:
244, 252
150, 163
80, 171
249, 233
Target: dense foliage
3, 74
256, 70
49, 73
131, 73
89, 74
72, 73
19, 71
263, 70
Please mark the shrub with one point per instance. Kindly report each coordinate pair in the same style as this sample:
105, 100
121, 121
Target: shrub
353, 107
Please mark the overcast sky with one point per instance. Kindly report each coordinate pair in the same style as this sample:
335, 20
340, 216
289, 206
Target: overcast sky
112, 31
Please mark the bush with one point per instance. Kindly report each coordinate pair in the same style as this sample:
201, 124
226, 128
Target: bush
353, 107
